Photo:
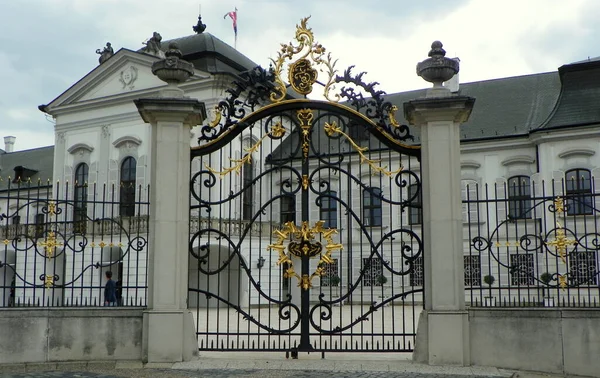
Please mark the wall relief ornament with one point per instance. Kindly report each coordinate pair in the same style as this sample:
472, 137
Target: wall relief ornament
128, 76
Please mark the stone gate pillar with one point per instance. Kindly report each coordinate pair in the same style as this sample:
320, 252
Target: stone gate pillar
442, 336
168, 330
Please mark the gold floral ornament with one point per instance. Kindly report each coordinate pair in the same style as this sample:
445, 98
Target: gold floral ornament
277, 131
562, 281
49, 281
302, 73
561, 242
303, 244
559, 205
305, 116
52, 208
331, 129
50, 244
217, 113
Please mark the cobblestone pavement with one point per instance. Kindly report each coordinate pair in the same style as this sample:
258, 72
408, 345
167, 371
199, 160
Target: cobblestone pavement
222, 373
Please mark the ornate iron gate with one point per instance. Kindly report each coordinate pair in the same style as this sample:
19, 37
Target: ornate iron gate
305, 215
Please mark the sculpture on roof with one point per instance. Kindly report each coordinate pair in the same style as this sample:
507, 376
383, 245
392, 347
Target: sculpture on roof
200, 27
153, 45
105, 53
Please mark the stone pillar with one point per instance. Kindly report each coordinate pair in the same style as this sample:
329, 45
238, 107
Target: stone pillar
443, 336
169, 331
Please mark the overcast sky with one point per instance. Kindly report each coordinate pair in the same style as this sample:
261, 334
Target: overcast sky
47, 45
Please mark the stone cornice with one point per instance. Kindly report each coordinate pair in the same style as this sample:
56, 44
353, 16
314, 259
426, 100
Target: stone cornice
80, 146
127, 139
578, 151
452, 108
516, 160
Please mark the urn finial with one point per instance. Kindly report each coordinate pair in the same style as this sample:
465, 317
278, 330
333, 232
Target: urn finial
173, 70
437, 69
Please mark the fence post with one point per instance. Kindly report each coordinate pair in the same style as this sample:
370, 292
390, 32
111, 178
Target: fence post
442, 336
168, 329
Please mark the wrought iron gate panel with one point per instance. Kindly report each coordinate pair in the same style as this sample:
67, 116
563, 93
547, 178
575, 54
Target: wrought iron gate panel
305, 220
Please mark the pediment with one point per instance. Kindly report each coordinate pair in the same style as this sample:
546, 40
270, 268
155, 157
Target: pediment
125, 75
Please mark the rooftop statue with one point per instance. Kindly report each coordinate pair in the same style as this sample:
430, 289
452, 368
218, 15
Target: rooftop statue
153, 45
105, 53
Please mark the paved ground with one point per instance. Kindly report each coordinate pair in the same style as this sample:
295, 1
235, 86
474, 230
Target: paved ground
263, 366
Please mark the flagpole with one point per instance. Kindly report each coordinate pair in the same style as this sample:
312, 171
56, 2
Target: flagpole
235, 39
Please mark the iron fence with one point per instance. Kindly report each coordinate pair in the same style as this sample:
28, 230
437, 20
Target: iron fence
57, 241
531, 244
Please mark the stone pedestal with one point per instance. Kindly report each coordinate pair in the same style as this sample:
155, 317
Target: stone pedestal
169, 332
443, 332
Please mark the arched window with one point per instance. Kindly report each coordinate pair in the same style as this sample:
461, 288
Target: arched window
80, 198
579, 189
248, 195
372, 207
519, 197
127, 203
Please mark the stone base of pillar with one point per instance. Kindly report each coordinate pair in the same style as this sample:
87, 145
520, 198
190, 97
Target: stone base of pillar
443, 338
169, 336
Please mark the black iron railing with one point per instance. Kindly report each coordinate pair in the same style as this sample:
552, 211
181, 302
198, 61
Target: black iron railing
55, 250
532, 246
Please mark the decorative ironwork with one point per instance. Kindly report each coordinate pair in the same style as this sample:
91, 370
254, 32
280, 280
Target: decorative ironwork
537, 255
42, 238
317, 163
301, 73
332, 129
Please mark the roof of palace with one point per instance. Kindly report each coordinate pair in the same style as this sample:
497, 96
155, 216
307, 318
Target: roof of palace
209, 54
35, 164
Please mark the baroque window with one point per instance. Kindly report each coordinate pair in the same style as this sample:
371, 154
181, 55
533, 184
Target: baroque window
80, 200
578, 190
288, 209
127, 197
519, 197
583, 268
331, 276
472, 270
373, 272
415, 210
372, 207
522, 269
328, 209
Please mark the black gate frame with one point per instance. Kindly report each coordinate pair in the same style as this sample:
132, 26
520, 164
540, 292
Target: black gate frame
376, 116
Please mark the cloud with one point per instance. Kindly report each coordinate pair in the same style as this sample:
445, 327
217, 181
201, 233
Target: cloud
57, 39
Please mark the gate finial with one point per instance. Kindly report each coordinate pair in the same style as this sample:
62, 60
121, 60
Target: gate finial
437, 69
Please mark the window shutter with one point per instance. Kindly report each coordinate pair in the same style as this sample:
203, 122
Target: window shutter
557, 187
537, 185
113, 181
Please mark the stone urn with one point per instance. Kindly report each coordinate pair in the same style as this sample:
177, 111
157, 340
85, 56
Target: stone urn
173, 70
437, 68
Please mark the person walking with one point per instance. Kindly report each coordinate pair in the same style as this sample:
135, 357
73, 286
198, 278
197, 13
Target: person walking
110, 290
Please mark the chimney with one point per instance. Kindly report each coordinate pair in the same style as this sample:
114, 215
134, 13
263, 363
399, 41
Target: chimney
9, 143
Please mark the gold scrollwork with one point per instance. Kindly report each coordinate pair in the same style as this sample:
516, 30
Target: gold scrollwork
277, 131
217, 113
392, 116
52, 208
301, 73
305, 116
305, 182
331, 129
305, 234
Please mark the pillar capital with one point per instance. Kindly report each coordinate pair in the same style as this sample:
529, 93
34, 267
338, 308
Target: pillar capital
188, 111
454, 108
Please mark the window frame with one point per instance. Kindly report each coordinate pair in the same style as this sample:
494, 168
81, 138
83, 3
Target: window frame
288, 209
80, 197
415, 208
579, 199
127, 187
519, 203
328, 213
372, 207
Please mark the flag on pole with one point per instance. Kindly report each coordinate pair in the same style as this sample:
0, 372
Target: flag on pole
233, 16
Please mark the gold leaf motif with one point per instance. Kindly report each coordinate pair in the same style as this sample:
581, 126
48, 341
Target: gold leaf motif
559, 205
301, 73
561, 242
277, 131
331, 129
392, 116
305, 233
305, 116
6, 242
49, 281
217, 113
